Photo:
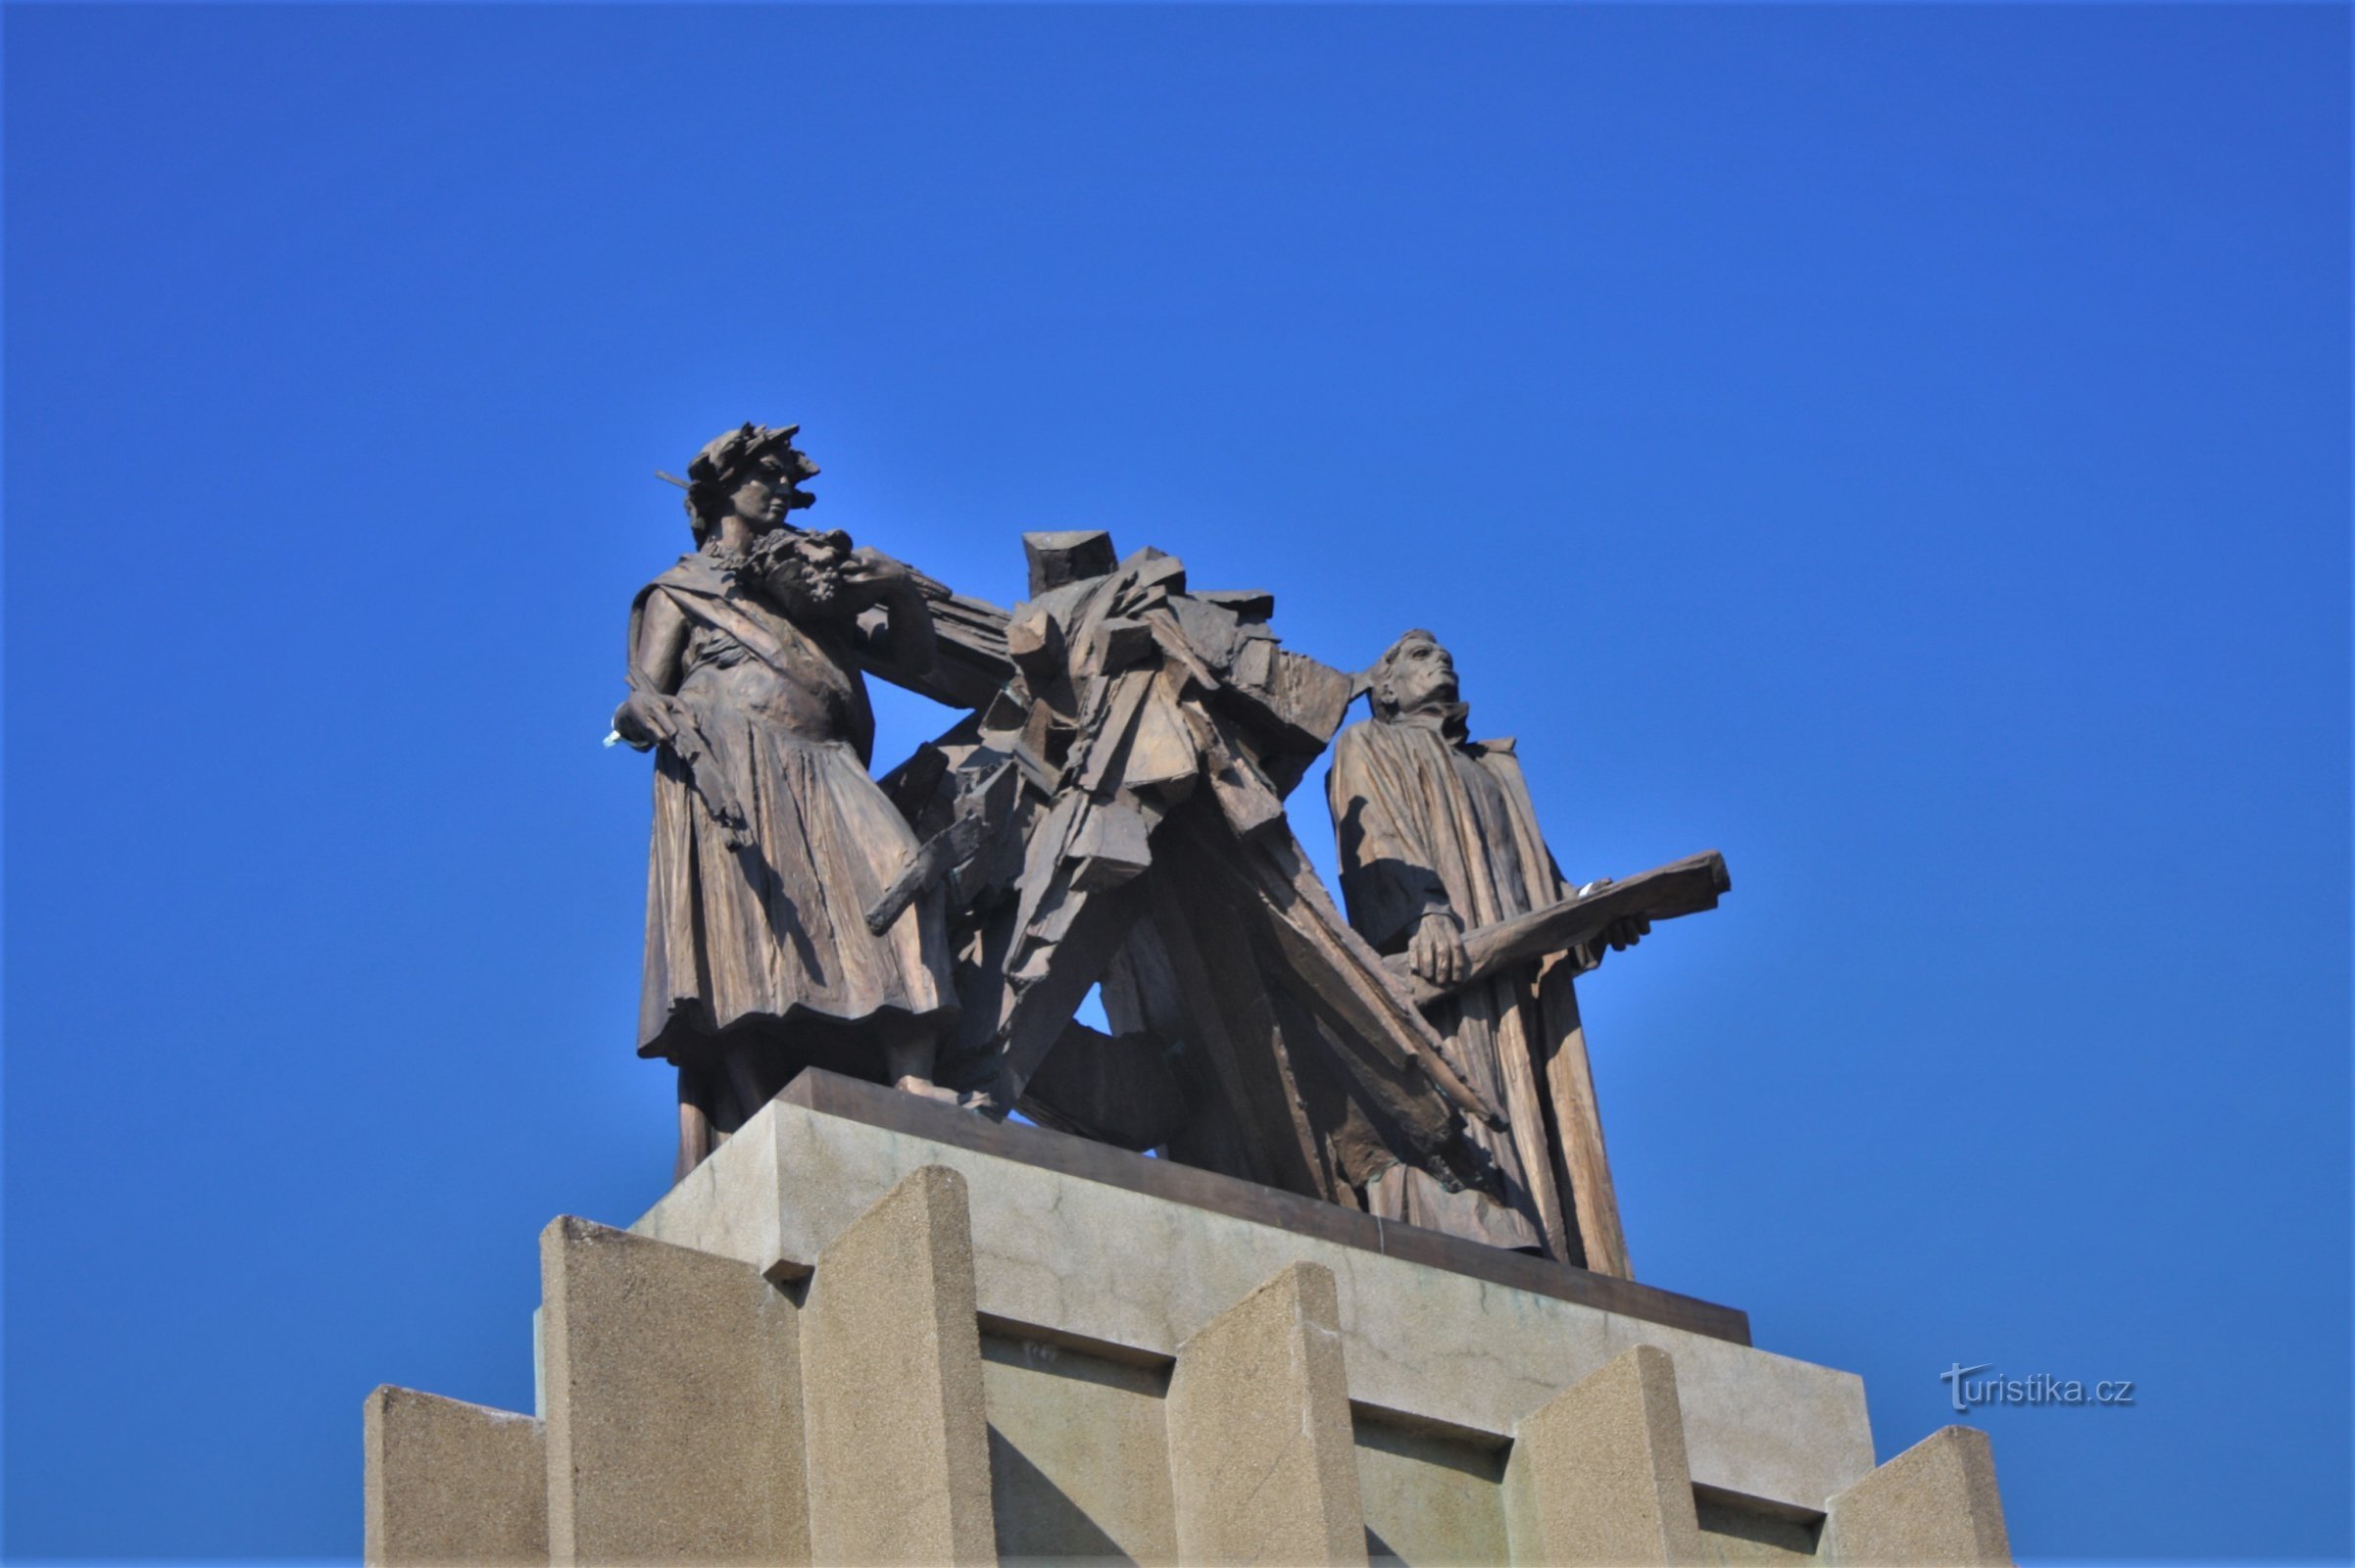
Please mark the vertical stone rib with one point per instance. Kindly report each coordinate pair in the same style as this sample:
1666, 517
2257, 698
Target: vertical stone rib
1935, 1503
1598, 1472
898, 1438
672, 1383
1262, 1463
452, 1483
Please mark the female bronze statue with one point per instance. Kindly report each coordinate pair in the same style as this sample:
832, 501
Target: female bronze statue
770, 839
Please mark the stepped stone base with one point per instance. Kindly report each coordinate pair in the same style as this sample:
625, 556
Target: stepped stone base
872, 1329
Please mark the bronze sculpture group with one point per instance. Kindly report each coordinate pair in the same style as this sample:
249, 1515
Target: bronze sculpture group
1109, 815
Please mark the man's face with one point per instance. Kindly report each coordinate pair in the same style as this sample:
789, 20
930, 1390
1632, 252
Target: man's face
802, 571
1422, 673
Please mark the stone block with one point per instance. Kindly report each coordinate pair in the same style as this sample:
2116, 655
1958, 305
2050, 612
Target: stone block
1096, 1261
1935, 1503
452, 1483
1599, 1474
898, 1434
1079, 1461
1262, 1464
1750, 1531
672, 1389
1756, 1423
1430, 1497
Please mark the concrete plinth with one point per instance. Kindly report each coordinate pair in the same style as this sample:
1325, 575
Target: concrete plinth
873, 1329
1075, 1256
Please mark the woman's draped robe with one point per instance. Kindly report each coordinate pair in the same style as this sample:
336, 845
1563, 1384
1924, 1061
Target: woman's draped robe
741, 943
1427, 822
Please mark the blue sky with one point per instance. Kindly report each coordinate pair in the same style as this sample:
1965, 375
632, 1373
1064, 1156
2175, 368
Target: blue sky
1904, 448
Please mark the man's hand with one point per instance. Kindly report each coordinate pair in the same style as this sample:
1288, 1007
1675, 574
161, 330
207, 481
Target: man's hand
1625, 933
876, 576
1436, 953
1617, 937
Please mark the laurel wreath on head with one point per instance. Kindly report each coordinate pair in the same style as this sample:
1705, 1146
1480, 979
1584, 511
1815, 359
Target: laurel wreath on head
721, 464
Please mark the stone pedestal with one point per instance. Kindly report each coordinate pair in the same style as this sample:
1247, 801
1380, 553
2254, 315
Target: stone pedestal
898, 1333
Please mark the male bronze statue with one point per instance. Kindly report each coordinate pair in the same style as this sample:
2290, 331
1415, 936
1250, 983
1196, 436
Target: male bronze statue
1438, 837
769, 836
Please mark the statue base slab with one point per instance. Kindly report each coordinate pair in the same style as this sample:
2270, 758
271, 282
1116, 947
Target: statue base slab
1128, 1255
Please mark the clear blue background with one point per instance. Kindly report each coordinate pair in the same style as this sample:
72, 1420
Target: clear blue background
1906, 449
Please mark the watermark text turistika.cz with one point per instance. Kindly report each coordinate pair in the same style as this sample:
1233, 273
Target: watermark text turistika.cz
1969, 1391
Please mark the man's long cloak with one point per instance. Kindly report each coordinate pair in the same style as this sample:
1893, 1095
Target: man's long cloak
1428, 822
